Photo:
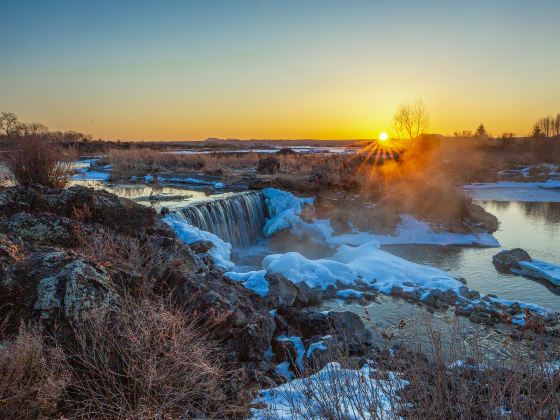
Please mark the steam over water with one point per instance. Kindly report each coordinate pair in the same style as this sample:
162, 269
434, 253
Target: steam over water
237, 219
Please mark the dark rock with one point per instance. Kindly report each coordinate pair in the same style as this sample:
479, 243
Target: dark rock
286, 151
239, 318
268, 165
308, 296
164, 211
201, 247
346, 326
508, 260
281, 291
330, 292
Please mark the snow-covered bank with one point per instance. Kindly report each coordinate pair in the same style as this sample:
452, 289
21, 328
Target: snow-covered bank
285, 210
333, 392
547, 191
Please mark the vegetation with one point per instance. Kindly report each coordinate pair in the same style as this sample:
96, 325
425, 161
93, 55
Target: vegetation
34, 161
411, 120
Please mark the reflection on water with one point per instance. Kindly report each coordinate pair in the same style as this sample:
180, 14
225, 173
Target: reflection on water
535, 227
157, 196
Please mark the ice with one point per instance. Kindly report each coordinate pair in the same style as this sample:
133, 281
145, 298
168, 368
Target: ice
188, 180
344, 393
220, 252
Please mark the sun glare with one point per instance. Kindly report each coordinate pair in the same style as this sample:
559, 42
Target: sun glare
383, 136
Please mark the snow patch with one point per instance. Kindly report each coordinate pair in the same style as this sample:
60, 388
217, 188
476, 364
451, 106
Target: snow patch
345, 393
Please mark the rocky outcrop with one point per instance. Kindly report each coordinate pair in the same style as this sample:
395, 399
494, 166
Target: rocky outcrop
508, 260
51, 272
85, 205
237, 316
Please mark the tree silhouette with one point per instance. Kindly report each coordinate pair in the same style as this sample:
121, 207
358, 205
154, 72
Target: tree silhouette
411, 120
481, 131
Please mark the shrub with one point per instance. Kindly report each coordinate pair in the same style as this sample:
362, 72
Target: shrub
37, 162
149, 361
32, 377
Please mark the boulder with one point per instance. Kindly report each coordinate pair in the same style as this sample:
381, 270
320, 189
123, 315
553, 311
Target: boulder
268, 165
286, 151
237, 316
308, 296
507, 261
57, 287
346, 326
281, 291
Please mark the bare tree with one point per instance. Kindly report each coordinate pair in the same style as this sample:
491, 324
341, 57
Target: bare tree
411, 120
34, 129
9, 124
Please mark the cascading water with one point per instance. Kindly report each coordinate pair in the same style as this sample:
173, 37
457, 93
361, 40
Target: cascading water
237, 218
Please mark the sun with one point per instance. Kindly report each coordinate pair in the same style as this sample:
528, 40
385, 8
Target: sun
383, 136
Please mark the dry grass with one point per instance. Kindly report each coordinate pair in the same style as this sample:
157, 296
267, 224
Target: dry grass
150, 361
137, 162
33, 377
36, 162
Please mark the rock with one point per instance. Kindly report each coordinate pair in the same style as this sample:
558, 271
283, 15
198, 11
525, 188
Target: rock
330, 292
507, 261
84, 205
308, 296
286, 151
468, 293
201, 247
346, 326
60, 288
238, 317
80, 290
285, 351
281, 291
480, 317
42, 228
268, 165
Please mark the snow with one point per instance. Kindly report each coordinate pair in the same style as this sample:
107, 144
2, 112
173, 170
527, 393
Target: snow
334, 391
318, 346
253, 280
220, 252
543, 270
547, 191
284, 209
413, 231
365, 264
299, 347
283, 370
349, 293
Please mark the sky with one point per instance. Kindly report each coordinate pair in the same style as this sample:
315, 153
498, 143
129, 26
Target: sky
281, 69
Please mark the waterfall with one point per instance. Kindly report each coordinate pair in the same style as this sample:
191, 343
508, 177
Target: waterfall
237, 218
